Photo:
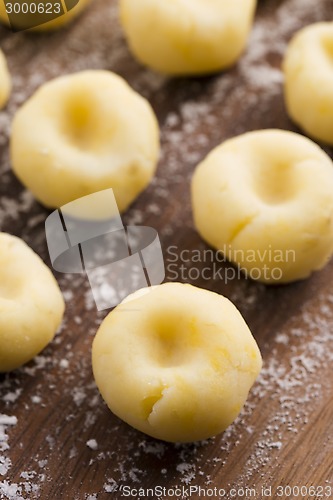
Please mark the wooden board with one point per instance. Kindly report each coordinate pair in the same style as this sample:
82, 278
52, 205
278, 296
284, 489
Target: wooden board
284, 435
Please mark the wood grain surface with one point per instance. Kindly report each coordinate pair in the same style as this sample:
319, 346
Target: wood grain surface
284, 435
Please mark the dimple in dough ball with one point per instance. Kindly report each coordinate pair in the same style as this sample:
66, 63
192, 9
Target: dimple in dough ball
83, 133
265, 200
176, 362
31, 304
187, 37
308, 70
57, 23
5, 80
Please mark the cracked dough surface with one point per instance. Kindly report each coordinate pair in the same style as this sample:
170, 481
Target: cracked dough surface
5, 80
31, 304
267, 193
308, 70
55, 23
90, 132
176, 362
187, 37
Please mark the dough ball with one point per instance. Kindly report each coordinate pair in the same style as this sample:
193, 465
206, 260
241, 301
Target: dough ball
176, 362
31, 304
187, 37
265, 200
308, 70
83, 133
5, 80
57, 23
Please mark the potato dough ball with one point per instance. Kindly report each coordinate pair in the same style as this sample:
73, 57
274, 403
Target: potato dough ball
5, 81
265, 200
176, 362
308, 69
59, 22
84, 133
31, 304
187, 37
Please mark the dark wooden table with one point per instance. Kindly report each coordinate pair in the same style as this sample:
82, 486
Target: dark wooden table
284, 435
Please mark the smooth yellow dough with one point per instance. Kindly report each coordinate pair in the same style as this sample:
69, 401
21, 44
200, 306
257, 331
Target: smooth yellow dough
187, 37
83, 133
55, 24
265, 200
308, 70
31, 304
176, 362
5, 80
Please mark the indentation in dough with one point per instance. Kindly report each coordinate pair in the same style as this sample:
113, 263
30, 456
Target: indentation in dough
327, 44
174, 340
275, 184
82, 125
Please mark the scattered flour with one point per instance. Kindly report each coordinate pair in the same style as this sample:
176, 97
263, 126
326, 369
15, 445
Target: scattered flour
92, 444
6, 422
